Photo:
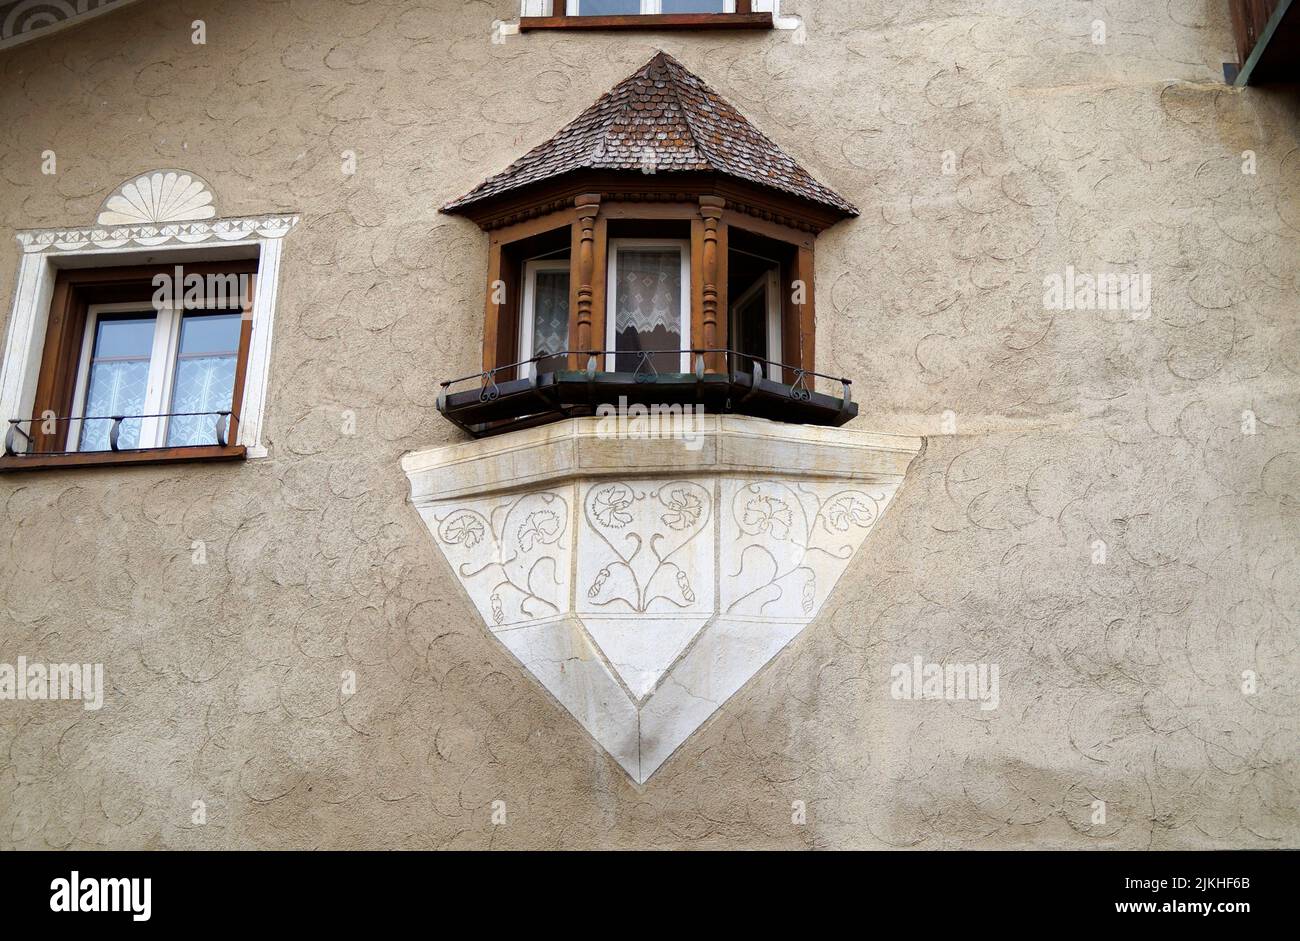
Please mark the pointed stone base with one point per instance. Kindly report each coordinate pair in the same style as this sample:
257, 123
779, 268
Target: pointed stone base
644, 581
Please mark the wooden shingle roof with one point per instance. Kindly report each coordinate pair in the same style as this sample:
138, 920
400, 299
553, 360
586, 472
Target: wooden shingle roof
664, 117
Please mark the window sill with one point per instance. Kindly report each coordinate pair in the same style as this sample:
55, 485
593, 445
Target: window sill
651, 21
33, 462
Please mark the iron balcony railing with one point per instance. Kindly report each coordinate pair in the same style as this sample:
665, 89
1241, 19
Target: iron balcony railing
545, 388
31, 439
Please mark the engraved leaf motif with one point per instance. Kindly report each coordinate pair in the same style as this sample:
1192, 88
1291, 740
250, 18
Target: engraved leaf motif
769, 513
541, 527
497, 615
684, 510
848, 511
610, 506
464, 530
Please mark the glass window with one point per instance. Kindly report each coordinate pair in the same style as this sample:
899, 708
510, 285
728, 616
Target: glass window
647, 302
634, 7
607, 7
545, 323
169, 373
756, 325
693, 6
117, 378
204, 378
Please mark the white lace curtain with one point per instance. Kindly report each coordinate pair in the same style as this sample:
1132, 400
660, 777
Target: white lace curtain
649, 292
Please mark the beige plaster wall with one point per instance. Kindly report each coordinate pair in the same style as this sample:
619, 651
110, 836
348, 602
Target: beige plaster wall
1119, 682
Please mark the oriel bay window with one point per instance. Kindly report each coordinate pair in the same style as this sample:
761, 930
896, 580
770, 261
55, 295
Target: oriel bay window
693, 283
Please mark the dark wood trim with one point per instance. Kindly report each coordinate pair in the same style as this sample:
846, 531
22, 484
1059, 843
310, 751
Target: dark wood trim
241, 362
1267, 35
799, 321
744, 7
518, 207
36, 462
650, 21
583, 276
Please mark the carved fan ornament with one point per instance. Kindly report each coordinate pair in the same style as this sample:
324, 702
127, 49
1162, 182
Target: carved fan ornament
643, 603
158, 197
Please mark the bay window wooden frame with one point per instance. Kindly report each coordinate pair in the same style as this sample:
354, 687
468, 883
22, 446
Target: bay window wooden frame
686, 293
528, 301
711, 218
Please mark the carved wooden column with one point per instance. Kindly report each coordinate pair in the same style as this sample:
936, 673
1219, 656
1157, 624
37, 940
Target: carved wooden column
582, 335
711, 209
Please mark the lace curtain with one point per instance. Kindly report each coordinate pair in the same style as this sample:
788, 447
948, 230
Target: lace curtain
649, 291
118, 380
205, 377
551, 312
116, 387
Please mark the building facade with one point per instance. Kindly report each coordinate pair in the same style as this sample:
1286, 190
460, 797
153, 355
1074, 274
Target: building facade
1055, 521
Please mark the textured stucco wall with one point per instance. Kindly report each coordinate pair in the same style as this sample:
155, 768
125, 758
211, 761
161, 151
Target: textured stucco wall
1119, 682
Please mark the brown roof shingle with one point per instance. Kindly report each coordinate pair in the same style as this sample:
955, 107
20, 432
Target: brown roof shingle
664, 115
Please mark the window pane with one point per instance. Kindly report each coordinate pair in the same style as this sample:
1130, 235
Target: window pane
693, 6
608, 7
751, 330
550, 318
204, 380
117, 380
648, 307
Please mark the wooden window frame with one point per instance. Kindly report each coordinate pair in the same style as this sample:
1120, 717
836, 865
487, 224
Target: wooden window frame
75, 292
687, 324
742, 17
528, 301
705, 286
770, 285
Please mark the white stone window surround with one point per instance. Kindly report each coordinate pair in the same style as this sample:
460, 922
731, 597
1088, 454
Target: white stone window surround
153, 242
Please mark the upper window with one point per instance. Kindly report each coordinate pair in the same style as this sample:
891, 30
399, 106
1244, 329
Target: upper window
648, 7
647, 14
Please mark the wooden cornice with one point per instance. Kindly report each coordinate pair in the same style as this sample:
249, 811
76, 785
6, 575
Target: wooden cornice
612, 187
